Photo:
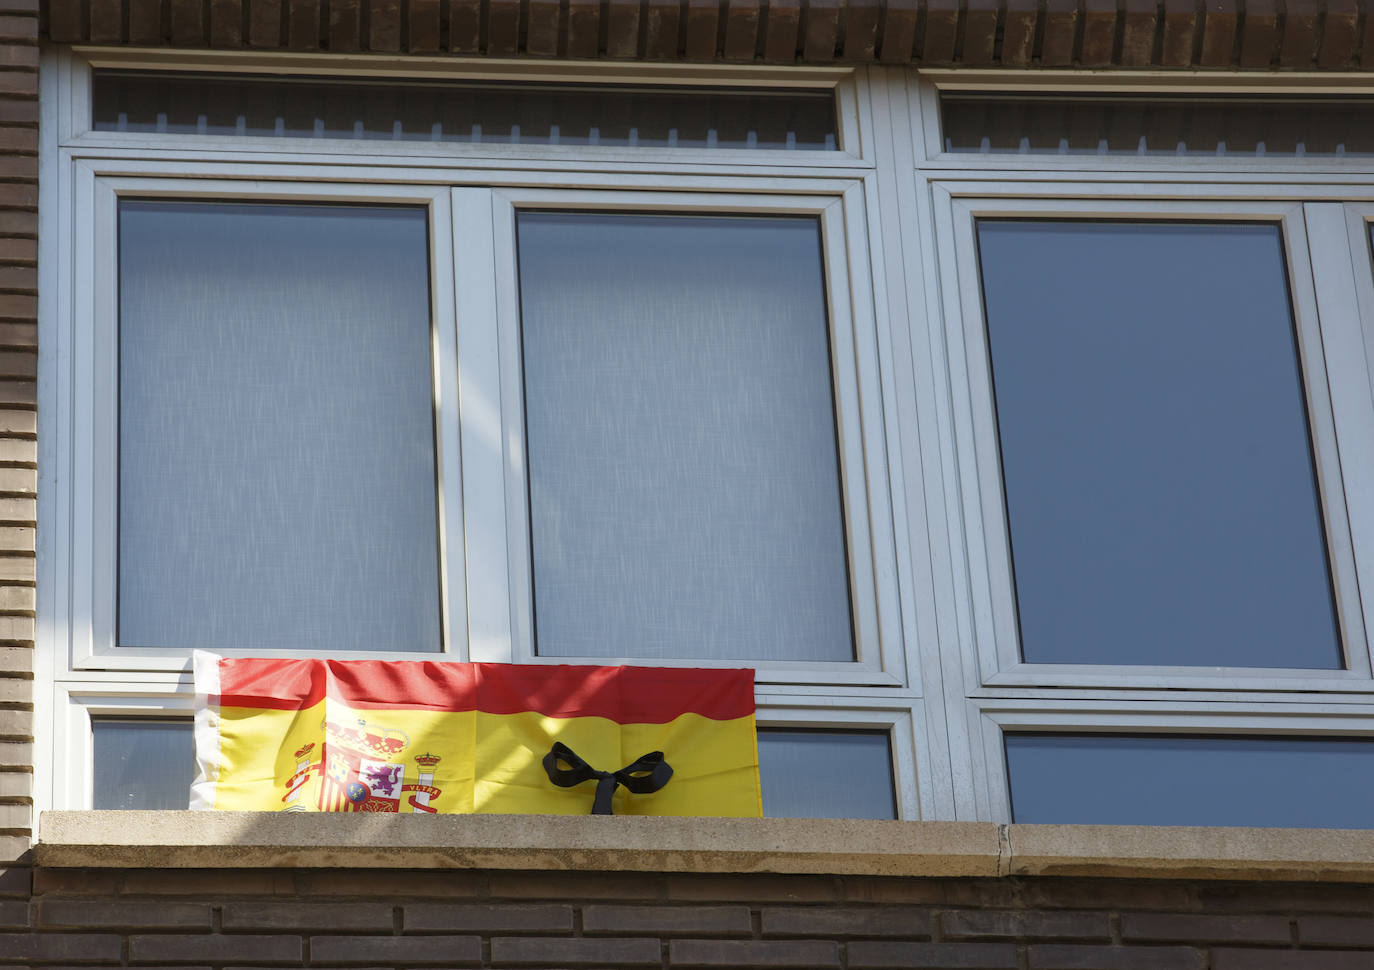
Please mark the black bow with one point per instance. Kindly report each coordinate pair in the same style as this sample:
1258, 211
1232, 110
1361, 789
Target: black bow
644, 776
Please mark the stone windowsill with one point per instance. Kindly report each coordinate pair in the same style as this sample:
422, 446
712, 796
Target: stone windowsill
631, 843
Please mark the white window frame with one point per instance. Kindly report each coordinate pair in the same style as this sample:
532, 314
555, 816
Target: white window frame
1323, 207
471, 193
999, 653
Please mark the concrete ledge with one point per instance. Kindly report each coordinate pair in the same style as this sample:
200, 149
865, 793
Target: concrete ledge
163, 840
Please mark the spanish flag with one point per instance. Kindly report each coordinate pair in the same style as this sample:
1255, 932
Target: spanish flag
424, 736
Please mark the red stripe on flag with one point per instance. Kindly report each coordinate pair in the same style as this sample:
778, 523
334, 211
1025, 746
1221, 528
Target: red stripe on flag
627, 695
294, 685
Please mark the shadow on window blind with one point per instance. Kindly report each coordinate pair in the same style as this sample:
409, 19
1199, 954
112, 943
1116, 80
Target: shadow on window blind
1105, 125
459, 111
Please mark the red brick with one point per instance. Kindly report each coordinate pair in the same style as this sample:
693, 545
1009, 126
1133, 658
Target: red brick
1094, 894
1340, 32
1220, 18
64, 20
584, 27
98, 882
423, 26
940, 36
1336, 931
351, 917
752, 888
464, 26
828, 921
1050, 956
303, 24
19, 55
15, 223
16, 334
1138, 33
1024, 924
1228, 959
741, 29
541, 31
16, 881
1283, 897
16, 363
1187, 928
1018, 32
214, 948
449, 951
23, 306
19, 28
380, 885
188, 22
1180, 32
861, 29
1099, 32
753, 953
1259, 35
821, 30
384, 25
899, 31
702, 18
18, 277
662, 22
75, 914
1298, 48
183, 882
668, 920
575, 885
345, 25
19, 82
503, 26
486, 918
15, 421
1061, 25
51, 947
264, 23
882, 890
622, 28
975, 956
18, 250
522, 951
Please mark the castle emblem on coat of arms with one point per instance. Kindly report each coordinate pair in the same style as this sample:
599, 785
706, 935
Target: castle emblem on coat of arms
361, 767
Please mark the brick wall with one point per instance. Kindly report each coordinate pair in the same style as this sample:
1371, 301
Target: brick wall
18, 399
339, 918
1249, 34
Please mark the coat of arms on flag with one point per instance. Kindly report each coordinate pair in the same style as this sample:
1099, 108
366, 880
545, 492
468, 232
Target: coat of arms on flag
427, 737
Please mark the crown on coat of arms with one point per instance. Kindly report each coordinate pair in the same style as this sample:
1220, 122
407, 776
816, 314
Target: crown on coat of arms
427, 760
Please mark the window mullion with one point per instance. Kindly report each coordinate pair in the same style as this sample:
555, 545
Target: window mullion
474, 297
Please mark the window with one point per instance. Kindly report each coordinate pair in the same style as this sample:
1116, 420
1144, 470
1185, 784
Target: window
1001, 457
337, 404
1162, 463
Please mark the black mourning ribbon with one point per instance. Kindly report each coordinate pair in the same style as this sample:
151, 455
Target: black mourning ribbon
644, 776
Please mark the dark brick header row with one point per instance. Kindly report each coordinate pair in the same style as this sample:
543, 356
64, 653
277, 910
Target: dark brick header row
1247, 34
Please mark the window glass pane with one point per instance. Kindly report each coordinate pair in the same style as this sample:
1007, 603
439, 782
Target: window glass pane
683, 468
458, 111
1161, 496
1125, 125
826, 774
276, 428
143, 763
1187, 780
